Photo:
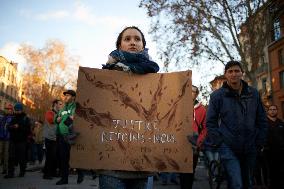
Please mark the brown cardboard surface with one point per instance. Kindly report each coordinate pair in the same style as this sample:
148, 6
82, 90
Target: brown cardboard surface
133, 122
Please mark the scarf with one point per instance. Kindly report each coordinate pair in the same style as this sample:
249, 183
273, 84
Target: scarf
139, 63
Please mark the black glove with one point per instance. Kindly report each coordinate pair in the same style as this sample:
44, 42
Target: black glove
192, 139
259, 149
68, 121
108, 66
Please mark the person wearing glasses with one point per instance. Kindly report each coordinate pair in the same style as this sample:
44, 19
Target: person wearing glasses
275, 148
197, 139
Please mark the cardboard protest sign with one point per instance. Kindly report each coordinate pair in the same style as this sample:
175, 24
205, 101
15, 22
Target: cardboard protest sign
133, 122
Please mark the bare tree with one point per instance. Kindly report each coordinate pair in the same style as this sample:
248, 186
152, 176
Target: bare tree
48, 72
193, 32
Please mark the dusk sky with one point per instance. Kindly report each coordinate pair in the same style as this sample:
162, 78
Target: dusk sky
88, 28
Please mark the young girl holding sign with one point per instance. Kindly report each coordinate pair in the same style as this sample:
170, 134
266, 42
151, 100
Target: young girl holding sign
130, 56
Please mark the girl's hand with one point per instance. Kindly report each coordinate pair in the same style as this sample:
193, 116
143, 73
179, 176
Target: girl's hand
111, 60
123, 67
58, 119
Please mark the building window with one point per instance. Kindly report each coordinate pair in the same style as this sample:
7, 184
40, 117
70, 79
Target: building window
3, 71
281, 57
281, 76
8, 75
12, 78
276, 30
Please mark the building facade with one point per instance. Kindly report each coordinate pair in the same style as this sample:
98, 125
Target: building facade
254, 39
268, 67
10, 83
276, 55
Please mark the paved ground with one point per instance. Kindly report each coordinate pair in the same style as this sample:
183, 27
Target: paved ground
33, 180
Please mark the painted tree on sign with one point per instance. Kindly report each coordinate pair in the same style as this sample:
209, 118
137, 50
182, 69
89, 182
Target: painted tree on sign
132, 100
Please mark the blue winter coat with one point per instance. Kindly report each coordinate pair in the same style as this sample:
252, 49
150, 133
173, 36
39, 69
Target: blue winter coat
237, 120
21, 133
4, 122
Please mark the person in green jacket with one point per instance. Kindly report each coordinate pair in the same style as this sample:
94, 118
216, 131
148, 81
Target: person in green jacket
64, 124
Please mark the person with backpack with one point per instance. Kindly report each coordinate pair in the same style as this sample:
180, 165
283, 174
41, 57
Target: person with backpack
197, 139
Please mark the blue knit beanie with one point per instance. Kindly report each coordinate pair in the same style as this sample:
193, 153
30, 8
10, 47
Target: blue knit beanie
18, 106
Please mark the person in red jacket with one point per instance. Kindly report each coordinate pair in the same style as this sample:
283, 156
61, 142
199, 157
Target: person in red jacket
199, 118
197, 139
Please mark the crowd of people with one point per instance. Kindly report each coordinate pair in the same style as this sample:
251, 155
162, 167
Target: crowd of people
235, 128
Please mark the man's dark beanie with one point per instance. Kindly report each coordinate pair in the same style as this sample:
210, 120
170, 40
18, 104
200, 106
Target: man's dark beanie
233, 63
18, 106
71, 92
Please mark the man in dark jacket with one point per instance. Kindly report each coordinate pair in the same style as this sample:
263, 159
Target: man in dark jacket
19, 129
4, 136
237, 124
275, 148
